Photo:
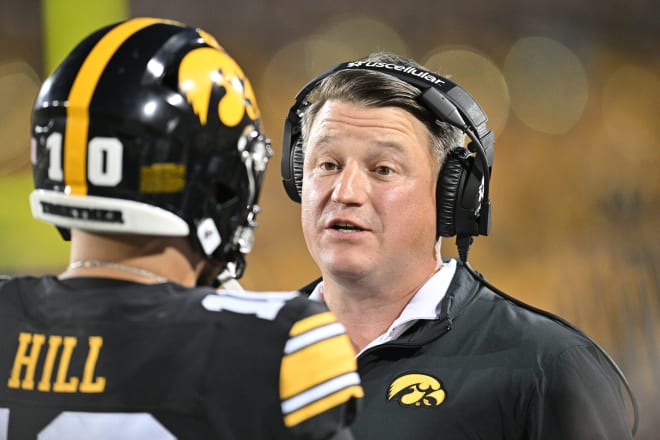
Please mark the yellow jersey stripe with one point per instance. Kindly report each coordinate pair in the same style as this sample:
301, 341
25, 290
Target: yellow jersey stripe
312, 322
80, 96
322, 405
316, 364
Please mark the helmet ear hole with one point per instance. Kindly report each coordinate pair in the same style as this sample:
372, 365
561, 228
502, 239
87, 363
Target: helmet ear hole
222, 193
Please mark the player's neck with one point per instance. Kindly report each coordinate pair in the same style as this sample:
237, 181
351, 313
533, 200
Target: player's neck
133, 258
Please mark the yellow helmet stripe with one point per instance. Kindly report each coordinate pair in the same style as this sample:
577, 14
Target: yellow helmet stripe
80, 96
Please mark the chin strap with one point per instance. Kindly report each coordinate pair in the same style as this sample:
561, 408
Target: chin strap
231, 273
232, 285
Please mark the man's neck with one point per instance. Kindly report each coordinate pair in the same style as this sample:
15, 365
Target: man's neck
368, 310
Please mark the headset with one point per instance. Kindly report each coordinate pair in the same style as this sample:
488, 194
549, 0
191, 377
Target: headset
463, 207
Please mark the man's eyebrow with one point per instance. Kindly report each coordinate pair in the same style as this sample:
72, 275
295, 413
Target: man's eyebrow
394, 147
320, 142
390, 145
325, 139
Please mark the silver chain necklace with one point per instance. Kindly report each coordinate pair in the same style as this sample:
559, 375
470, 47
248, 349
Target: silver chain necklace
83, 264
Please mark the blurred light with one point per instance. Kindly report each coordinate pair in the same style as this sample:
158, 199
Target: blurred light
19, 85
301, 60
630, 109
548, 84
479, 76
362, 36
64, 27
280, 80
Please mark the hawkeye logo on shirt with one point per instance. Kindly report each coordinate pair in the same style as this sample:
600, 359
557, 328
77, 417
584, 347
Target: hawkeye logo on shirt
53, 354
416, 389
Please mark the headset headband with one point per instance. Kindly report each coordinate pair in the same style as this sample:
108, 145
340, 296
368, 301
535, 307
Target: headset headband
446, 100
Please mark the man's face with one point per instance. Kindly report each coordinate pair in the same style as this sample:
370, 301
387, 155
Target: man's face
368, 195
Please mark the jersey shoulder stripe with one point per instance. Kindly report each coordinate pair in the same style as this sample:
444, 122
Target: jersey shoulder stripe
265, 305
318, 370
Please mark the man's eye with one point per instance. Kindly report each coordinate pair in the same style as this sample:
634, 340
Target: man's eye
328, 166
384, 170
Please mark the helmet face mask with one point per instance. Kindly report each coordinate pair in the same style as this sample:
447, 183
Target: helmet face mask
149, 127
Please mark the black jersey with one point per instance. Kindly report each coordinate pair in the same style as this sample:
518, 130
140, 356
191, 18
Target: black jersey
489, 368
107, 359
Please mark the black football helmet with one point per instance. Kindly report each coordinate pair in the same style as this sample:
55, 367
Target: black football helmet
150, 127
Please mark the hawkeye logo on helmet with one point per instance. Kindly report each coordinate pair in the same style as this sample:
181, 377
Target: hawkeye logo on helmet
416, 389
202, 70
412, 71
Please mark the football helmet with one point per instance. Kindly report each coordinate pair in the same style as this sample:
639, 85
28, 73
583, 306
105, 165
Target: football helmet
150, 127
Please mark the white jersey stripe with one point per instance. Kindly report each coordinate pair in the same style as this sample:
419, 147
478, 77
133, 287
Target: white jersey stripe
320, 391
313, 336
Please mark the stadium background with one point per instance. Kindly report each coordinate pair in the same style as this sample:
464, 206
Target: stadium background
573, 95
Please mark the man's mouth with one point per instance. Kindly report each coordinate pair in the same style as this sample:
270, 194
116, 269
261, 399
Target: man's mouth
346, 227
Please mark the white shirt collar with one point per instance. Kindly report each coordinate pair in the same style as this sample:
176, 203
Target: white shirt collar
421, 306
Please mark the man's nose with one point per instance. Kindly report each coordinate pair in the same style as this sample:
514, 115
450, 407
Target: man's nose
351, 185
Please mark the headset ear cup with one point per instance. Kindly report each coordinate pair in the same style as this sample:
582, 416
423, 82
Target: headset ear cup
452, 174
297, 158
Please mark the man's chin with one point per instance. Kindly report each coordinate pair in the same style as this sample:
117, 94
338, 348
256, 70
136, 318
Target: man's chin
345, 268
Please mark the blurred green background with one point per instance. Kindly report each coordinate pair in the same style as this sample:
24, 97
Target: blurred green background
572, 90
